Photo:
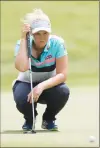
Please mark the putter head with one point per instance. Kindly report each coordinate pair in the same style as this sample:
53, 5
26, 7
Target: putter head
30, 132
33, 131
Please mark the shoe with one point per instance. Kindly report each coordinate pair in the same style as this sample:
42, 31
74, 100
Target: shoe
27, 126
49, 125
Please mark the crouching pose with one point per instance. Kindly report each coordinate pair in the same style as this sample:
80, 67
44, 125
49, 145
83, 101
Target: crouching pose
49, 62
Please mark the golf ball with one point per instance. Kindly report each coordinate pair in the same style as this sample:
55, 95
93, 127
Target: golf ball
92, 139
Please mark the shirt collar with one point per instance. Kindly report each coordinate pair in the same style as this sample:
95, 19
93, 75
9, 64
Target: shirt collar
47, 46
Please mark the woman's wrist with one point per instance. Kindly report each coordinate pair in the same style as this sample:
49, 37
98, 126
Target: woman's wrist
43, 85
23, 38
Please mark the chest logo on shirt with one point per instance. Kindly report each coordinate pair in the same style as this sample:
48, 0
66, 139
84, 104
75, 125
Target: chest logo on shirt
48, 57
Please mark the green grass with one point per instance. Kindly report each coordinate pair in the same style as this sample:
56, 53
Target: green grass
76, 21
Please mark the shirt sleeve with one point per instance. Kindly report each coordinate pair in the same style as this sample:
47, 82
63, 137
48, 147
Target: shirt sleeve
17, 48
61, 50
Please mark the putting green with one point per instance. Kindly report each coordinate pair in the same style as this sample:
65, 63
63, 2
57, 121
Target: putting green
78, 120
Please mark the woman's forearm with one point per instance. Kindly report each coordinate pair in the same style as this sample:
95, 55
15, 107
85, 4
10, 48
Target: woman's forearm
59, 78
21, 61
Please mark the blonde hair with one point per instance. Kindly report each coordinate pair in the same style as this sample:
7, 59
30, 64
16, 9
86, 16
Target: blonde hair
34, 15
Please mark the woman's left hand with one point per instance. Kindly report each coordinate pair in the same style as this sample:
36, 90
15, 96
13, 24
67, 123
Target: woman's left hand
37, 91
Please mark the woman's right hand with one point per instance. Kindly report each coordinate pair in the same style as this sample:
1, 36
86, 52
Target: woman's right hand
25, 30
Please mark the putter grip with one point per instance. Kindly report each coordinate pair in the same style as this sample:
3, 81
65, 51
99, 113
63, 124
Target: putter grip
28, 44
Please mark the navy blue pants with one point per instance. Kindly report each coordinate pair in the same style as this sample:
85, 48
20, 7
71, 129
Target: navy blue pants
55, 98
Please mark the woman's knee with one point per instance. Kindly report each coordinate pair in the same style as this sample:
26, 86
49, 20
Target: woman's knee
66, 91
63, 91
59, 92
20, 93
19, 98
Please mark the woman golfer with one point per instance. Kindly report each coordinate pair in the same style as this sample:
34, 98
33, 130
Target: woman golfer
49, 63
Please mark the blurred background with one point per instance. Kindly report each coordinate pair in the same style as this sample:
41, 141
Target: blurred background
77, 22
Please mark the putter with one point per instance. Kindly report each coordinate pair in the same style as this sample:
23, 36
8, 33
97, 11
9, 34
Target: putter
30, 71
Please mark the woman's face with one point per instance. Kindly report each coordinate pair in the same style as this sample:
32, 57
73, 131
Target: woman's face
41, 38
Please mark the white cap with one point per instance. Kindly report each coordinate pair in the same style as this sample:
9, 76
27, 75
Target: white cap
39, 25
38, 21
